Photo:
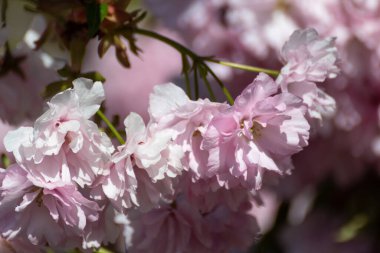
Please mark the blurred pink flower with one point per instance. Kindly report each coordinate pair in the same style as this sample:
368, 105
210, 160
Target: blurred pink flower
307, 57
26, 91
320, 233
180, 227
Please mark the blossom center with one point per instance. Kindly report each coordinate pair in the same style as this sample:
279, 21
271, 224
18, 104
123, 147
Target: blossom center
251, 129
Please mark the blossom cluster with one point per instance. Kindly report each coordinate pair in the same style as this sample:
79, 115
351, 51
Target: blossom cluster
252, 32
184, 182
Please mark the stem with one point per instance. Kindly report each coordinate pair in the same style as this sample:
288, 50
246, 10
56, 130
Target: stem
185, 69
271, 72
111, 127
193, 55
196, 82
185, 51
166, 40
188, 86
209, 88
224, 89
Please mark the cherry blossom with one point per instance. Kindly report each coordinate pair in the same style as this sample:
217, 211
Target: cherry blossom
142, 168
180, 227
41, 215
64, 145
170, 108
262, 130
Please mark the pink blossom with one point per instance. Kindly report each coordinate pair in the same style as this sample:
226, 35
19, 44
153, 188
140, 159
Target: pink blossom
206, 193
64, 145
170, 108
180, 227
232, 231
142, 169
308, 58
55, 217
169, 229
319, 104
237, 30
104, 231
364, 20
325, 16
260, 132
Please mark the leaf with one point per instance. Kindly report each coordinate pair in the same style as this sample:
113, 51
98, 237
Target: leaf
5, 161
132, 43
95, 13
103, 47
65, 71
352, 228
103, 11
122, 57
95, 76
121, 52
55, 87
140, 16
103, 250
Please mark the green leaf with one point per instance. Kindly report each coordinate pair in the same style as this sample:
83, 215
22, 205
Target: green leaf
65, 71
95, 76
350, 230
5, 161
56, 87
102, 250
95, 13
103, 11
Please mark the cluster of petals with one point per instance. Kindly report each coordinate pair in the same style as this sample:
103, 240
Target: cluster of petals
180, 227
142, 169
64, 146
234, 143
183, 181
262, 130
308, 60
42, 216
55, 181
170, 107
228, 27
